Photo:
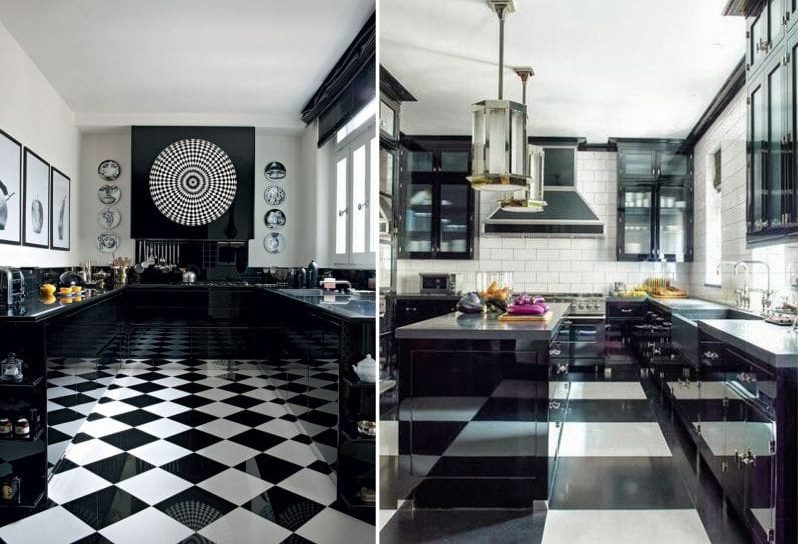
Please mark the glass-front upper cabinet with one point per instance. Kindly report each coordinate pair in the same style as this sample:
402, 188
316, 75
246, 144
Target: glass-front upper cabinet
757, 116
636, 220
437, 203
641, 161
389, 118
674, 222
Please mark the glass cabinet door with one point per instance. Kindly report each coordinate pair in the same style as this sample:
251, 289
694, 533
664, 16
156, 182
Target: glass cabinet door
454, 162
454, 218
756, 189
673, 221
388, 115
387, 170
757, 39
673, 165
418, 228
420, 161
777, 127
638, 164
636, 222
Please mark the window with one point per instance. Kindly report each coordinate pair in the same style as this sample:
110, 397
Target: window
356, 179
713, 228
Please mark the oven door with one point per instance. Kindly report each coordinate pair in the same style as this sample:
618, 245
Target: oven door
582, 340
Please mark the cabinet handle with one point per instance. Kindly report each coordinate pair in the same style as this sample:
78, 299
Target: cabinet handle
554, 405
363, 205
626, 310
711, 355
652, 171
341, 213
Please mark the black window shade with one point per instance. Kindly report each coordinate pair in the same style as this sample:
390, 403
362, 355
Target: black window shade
348, 87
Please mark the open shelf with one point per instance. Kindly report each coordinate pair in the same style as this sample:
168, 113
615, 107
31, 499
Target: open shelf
27, 383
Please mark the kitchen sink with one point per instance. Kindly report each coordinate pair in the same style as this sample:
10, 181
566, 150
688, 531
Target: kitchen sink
684, 330
302, 292
716, 313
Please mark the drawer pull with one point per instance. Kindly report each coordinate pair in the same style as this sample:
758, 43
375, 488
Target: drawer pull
711, 355
626, 310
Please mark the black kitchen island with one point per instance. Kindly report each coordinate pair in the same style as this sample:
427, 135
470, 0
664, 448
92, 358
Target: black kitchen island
474, 406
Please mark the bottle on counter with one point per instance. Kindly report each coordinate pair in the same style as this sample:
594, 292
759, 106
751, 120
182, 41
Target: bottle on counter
6, 428
302, 278
313, 275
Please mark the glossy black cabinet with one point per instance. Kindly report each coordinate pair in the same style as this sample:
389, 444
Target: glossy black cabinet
414, 309
771, 87
437, 202
740, 412
655, 202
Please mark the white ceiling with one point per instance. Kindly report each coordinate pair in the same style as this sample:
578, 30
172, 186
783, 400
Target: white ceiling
252, 61
625, 68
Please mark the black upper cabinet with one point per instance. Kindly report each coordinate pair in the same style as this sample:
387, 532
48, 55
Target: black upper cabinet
651, 162
771, 99
436, 200
655, 201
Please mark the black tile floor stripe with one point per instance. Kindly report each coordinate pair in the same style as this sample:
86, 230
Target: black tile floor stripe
118, 467
195, 507
105, 507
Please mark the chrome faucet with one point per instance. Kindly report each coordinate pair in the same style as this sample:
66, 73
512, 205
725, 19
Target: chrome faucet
744, 299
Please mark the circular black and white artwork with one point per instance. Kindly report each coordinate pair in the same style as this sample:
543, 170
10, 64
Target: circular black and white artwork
193, 182
274, 170
274, 195
109, 194
109, 170
274, 242
274, 219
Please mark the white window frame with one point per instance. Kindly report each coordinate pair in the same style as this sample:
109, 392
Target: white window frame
361, 136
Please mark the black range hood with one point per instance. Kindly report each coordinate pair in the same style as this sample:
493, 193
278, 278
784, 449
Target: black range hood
567, 214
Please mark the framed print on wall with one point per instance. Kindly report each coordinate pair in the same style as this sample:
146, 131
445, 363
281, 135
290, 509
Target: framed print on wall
10, 190
36, 211
59, 210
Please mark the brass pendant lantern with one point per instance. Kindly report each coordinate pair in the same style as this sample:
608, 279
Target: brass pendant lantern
500, 160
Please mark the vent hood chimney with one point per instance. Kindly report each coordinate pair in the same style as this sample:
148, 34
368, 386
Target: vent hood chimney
567, 215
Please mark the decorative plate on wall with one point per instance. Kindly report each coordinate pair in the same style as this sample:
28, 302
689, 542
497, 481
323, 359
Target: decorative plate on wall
109, 170
193, 182
274, 219
274, 242
107, 242
274, 195
109, 218
109, 194
274, 170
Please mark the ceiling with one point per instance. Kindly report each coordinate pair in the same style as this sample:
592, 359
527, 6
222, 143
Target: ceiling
621, 68
255, 61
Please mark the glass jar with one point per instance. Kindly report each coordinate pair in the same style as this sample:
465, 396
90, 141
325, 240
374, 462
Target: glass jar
11, 369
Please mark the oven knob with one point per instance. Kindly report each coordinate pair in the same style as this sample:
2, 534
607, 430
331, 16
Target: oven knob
580, 306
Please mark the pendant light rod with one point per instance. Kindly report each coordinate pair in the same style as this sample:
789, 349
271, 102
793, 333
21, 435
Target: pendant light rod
524, 72
501, 55
502, 8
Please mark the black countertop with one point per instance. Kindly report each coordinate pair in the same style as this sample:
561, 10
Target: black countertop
352, 308
459, 326
773, 344
36, 309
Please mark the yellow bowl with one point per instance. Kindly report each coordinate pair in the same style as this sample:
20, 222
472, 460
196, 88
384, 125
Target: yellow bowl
76, 288
47, 289
65, 290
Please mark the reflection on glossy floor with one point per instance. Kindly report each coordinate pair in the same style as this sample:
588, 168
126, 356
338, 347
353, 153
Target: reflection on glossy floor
188, 451
625, 474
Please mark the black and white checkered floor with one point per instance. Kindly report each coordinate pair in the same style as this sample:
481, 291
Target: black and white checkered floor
621, 476
189, 451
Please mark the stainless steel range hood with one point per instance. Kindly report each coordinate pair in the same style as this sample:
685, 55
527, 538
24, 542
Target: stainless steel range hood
567, 215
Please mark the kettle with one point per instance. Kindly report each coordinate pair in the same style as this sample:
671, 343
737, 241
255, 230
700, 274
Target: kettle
189, 275
366, 369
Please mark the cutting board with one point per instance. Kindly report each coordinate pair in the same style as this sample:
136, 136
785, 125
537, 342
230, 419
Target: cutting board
671, 296
520, 318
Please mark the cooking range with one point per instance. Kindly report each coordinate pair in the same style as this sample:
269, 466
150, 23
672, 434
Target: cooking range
580, 340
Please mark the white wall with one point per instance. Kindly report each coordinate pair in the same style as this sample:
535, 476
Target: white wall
542, 265
728, 134
33, 113
317, 172
116, 145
